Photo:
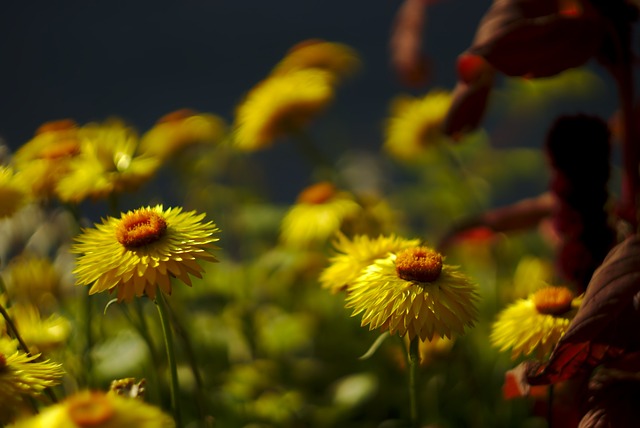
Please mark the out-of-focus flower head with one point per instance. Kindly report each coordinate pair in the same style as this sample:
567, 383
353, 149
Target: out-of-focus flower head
317, 215
180, 129
107, 164
353, 255
12, 193
338, 59
40, 334
33, 279
97, 409
412, 292
142, 250
416, 124
128, 387
281, 105
42, 161
22, 376
534, 325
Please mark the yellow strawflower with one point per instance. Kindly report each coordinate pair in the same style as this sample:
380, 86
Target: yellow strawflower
22, 376
33, 278
534, 325
107, 164
97, 409
353, 255
415, 124
281, 105
40, 334
412, 292
336, 58
317, 215
142, 250
180, 129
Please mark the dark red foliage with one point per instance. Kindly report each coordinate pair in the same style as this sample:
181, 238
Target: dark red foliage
614, 400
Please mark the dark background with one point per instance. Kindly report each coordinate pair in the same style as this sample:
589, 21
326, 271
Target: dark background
141, 59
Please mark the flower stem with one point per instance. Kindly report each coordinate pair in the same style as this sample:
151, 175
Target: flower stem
414, 364
550, 407
163, 312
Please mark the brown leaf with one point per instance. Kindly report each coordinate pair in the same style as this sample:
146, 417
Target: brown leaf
538, 38
614, 399
406, 43
603, 329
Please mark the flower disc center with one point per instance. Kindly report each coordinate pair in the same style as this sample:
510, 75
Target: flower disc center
140, 228
419, 264
3, 361
317, 193
553, 300
90, 411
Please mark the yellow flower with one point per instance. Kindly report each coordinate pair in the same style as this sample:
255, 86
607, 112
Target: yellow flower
180, 129
12, 194
21, 376
415, 124
107, 164
534, 325
39, 334
43, 160
338, 59
414, 293
142, 250
317, 215
280, 105
356, 254
97, 409
33, 279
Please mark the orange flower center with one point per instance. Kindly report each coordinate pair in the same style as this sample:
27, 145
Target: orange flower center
177, 116
140, 228
317, 194
69, 147
553, 300
3, 362
419, 264
56, 125
90, 410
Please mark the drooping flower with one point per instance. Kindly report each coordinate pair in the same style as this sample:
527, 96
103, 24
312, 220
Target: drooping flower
353, 255
416, 124
534, 325
280, 105
338, 59
22, 376
180, 129
12, 194
107, 164
97, 409
140, 251
317, 215
412, 292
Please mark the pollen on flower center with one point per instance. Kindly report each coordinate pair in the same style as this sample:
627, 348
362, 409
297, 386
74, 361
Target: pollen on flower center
90, 411
419, 264
61, 149
553, 300
140, 228
317, 193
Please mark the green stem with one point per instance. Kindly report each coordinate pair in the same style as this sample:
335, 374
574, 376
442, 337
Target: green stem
414, 365
163, 312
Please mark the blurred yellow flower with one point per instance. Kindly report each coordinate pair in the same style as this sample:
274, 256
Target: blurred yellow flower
180, 129
534, 325
338, 59
317, 215
43, 160
32, 278
413, 292
415, 124
142, 250
22, 376
356, 254
97, 409
107, 164
13, 194
280, 105
40, 335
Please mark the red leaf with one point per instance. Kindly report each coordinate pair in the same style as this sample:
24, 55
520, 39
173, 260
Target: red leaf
538, 38
603, 329
468, 105
406, 43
